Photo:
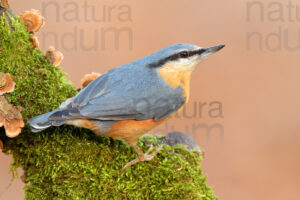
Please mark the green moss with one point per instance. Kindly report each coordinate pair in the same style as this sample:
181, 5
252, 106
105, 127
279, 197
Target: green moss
40, 87
73, 163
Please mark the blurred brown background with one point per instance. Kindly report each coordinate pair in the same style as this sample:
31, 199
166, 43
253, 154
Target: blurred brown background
255, 78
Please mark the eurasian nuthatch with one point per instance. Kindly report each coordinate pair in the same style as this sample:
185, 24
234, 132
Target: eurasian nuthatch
128, 101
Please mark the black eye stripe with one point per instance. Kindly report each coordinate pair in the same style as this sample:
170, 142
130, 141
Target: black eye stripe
175, 57
191, 53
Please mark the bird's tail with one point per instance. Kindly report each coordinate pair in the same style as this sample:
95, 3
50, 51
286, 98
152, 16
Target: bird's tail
42, 122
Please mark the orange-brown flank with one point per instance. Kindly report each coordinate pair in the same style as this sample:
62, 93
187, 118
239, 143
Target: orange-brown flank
131, 130
127, 130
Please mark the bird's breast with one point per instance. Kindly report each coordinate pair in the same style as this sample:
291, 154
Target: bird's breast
175, 78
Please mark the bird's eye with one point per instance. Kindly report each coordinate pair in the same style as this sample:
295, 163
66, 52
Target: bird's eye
184, 54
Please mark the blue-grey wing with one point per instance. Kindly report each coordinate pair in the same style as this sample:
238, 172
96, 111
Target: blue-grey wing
116, 106
116, 96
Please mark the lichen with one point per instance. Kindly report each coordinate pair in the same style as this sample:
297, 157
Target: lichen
72, 163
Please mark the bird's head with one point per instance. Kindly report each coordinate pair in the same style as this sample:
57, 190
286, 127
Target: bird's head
182, 57
176, 63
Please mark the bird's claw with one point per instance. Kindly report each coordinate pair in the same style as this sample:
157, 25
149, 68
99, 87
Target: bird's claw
148, 156
143, 157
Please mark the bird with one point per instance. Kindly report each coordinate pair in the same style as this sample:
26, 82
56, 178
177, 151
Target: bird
130, 100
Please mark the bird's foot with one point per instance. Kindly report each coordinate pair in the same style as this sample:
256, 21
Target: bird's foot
143, 156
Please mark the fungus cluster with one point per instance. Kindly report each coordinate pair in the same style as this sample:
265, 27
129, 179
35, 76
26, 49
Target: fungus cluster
88, 78
10, 115
54, 57
7, 84
5, 4
33, 20
35, 42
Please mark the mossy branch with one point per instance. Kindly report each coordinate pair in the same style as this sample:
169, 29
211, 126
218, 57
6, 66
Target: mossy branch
73, 163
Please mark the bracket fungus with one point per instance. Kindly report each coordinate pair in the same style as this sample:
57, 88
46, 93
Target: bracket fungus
35, 42
53, 56
88, 78
33, 20
7, 84
10, 117
5, 4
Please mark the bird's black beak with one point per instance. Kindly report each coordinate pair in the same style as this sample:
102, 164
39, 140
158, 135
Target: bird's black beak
204, 52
